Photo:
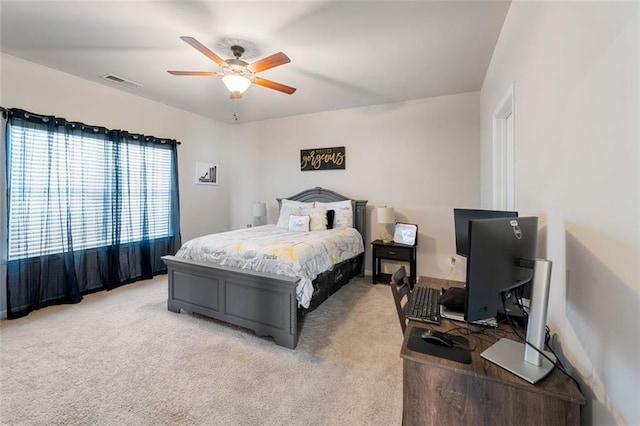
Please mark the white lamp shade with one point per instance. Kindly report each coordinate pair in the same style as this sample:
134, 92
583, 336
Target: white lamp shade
386, 215
236, 83
259, 209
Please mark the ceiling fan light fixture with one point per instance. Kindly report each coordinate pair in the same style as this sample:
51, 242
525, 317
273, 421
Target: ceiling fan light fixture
238, 74
236, 83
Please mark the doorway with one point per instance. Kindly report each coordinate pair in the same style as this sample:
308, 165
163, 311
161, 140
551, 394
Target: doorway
504, 155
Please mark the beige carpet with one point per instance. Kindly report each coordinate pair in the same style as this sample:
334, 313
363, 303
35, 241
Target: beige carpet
121, 357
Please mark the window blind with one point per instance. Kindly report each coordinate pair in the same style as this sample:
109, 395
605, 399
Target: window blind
76, 192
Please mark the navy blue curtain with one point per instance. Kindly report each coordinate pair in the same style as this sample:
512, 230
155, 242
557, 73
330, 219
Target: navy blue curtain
88, 208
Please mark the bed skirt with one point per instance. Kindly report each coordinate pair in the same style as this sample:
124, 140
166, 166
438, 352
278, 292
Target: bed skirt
331, 281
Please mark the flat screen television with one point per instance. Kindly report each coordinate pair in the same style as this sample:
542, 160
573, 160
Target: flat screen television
502, 257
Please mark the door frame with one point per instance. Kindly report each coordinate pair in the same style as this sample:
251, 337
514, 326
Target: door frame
504, 153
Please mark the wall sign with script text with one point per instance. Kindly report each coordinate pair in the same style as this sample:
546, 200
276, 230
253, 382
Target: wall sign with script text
322, 158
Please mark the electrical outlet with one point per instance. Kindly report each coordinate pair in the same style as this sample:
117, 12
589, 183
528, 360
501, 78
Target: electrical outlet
453, 261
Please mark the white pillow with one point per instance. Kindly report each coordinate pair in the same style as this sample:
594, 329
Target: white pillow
318, 218
289, 207
290, 203
285, 212
344, 213
299, 223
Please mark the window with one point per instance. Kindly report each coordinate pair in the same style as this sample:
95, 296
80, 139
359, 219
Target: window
88, 209
66, 188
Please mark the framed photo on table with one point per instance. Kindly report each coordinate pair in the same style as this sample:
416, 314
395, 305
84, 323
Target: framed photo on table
406, 233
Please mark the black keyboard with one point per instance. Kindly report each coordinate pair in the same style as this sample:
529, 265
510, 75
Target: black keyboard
423, 305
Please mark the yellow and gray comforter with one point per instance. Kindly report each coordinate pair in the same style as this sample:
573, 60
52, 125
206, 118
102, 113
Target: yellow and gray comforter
276, 250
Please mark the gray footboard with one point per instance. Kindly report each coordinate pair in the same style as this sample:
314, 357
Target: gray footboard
265, 303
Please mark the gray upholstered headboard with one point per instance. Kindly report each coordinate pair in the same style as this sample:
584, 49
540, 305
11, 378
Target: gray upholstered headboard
328, 196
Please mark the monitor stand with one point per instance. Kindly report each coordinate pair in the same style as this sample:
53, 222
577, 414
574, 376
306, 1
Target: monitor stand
520, 358
509, 355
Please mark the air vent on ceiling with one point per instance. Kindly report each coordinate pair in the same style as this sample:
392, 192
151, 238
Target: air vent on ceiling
122, 81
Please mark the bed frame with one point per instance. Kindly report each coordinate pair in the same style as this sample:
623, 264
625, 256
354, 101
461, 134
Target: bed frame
263, 302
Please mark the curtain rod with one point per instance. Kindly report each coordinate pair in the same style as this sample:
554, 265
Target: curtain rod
6, 111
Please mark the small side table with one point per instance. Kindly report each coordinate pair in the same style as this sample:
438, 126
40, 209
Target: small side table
392, 251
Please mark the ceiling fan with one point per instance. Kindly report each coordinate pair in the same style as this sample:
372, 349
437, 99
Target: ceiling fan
237, 75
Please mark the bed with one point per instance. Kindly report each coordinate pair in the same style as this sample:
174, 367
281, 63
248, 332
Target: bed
267, 303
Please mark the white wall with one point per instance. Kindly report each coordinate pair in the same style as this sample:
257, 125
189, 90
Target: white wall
576, 74
420, 157
575, 68
47, 91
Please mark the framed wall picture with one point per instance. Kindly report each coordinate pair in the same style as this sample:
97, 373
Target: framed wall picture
206, 174
406, 233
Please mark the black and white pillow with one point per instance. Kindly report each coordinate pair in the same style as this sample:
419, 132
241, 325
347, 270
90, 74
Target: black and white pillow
343, 211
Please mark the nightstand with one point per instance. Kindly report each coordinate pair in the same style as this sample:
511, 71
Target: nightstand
392, 251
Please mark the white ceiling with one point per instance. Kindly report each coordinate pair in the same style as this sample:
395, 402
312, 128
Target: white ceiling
343, 54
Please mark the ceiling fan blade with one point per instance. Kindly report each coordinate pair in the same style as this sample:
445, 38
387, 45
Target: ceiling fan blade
269, 62
204, 50
273, 85
197, 73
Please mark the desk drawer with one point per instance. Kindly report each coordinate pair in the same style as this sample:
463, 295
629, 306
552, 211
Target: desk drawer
392, 253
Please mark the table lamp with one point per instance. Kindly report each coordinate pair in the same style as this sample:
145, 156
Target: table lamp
386, 215
259, 210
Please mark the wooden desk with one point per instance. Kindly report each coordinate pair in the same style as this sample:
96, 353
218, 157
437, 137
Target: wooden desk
443, 392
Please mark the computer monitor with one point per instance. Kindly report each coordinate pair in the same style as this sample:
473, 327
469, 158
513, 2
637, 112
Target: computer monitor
495, 247
461, 218
501, 257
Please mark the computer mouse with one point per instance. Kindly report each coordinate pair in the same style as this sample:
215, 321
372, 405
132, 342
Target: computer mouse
437, 337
